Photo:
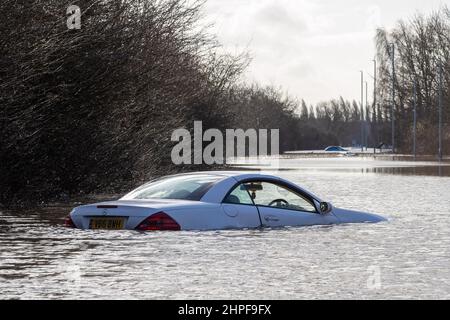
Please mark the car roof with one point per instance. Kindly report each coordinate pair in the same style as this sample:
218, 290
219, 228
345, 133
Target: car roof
238, 175
231, 178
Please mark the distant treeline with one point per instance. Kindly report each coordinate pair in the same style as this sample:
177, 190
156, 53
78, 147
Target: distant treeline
93, 109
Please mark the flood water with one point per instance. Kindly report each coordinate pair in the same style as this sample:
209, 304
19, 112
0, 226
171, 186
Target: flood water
407, 257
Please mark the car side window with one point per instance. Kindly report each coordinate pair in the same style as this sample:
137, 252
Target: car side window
274, 195
239, 195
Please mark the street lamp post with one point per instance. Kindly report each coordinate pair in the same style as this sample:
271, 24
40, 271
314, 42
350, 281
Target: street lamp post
362, 111
366, 122
415, 121
393, 96
375, 105
440, 109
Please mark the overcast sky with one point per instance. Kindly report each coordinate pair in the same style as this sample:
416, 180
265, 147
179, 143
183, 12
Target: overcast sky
313, 49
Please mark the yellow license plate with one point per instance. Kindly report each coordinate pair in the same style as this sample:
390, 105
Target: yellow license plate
107, 224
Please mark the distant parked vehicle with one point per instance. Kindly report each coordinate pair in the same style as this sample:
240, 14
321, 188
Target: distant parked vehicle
339, 151
336, 149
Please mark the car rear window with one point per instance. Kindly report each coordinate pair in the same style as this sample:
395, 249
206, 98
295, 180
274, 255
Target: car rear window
185, 187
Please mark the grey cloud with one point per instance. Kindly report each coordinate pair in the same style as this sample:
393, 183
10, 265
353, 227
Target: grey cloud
275, 15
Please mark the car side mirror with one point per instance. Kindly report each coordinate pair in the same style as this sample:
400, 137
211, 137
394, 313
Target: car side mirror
325, 208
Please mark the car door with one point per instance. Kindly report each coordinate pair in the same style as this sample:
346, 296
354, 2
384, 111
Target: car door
239, 209
280, 206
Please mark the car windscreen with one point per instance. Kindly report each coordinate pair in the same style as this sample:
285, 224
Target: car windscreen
191, 188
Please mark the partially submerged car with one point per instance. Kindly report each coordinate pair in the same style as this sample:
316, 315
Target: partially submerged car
214, 201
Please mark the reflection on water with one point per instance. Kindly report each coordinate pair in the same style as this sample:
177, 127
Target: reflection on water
367, 165
40, 259
438, 171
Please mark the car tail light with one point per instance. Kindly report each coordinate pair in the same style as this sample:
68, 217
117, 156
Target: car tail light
159, 222
68, 223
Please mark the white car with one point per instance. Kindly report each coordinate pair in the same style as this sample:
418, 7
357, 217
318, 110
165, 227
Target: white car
214, 201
